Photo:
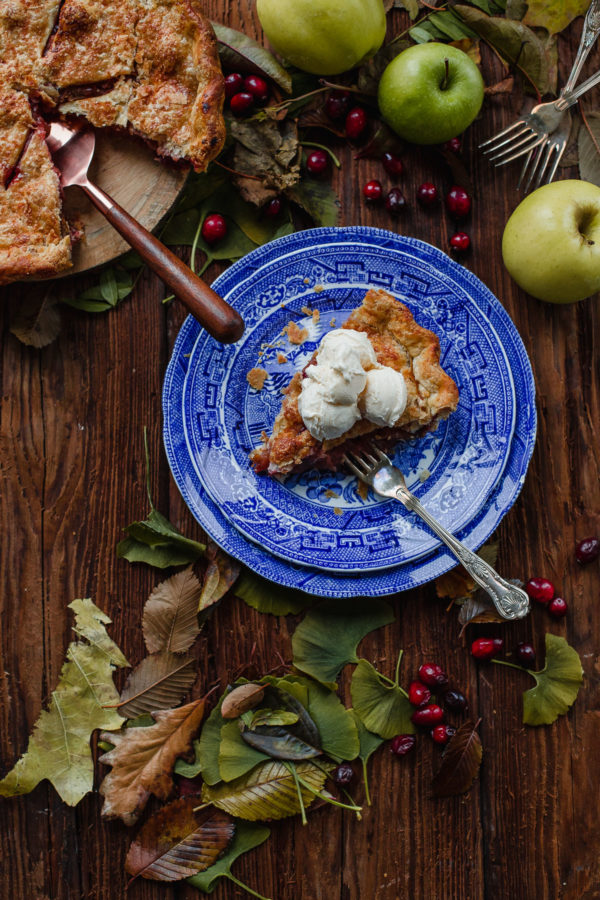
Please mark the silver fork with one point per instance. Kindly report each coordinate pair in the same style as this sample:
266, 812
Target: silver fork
376, 469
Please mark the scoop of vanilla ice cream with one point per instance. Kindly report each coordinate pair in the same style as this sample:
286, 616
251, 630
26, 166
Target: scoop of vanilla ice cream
323, 418
384, 398
338, 387
347, 351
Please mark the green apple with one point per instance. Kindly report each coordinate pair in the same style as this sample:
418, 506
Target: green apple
324, 37
430, 93
551, 243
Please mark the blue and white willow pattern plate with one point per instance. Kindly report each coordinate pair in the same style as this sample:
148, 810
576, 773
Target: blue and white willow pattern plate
213, 418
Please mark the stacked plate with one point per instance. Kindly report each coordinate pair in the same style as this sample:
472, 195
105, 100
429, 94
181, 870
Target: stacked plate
316, 531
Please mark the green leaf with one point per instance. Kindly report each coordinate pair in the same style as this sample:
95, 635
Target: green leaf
267, 792
328, 636
240, 53
258, 717
108, 286
318, 199
82, 701
557, 685
207, 747
267, 597
368, 744
383, 708
279, 743
246, 838
158, 543
554, 15
588, 148
235, 756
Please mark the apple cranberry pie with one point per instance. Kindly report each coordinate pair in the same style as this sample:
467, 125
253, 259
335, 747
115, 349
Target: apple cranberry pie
148, 66
395, 342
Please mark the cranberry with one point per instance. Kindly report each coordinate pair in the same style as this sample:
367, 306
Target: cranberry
455, 700
557, 607
372, 191
403, 744
234, 83
418, 694
241, 104
432, 675
441, 734
486, 648
343, 774
525, 654
356, 122
427, 194
458, 202
453, 145
460, 242
214, 229
337, 105
540, 589
316, 162
272, 209
498, 644
428, 715
587, 550
392, 164
395, 202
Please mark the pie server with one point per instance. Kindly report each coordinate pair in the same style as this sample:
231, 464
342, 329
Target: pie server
72, 151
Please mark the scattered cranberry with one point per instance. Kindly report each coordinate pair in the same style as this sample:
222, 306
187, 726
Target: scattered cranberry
458, 202
453, 145
392, 164
337, 105
214, 229
455, 701
403, 744
557, 607
372, 191
241, 104
540, 589
432, 675
234, 83
258, 87
587, 550
485, 648
356, 122
343, 774
441, 734
272, 209
498, 644
428, 715
316, 162
418, 694
395, 202
525, 654
460, 242
427, 194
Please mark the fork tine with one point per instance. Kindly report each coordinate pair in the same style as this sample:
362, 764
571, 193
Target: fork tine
522, 145
369, 456
381, 455
501, 134
548, 151
522, 151
539, 153
509, 140
556, 162
531, 155
356, 464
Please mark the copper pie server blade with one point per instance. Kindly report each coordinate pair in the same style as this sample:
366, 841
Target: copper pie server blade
72, 150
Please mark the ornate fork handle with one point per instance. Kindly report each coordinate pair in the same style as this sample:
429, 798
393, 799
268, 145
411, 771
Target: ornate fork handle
591, 30
510, 601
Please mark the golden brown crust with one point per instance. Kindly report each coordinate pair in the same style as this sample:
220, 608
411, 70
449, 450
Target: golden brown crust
399, 342
25, 26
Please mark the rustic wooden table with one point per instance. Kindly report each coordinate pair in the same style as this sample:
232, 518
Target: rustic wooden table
72, 475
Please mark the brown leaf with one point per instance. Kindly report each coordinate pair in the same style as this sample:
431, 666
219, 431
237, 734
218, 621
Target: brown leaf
170, 620
36, 322
458, 584
478, 609
470, 47
159, 682
221, 574
460, 763
501, 87
178, 842
555, 15
268, 150
143, 760
241, 699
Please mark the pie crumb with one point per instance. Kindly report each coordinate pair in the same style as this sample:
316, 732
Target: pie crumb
332, 322
281, 357
256, 378
331, 494
337, 511
316, 315
307, 310
424, 475
296, 334
362, 490
307, 281
318, 288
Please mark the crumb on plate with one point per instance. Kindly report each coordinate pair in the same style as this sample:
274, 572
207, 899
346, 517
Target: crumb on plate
331, 494
307, 310
281, 357
337, 511
256, 378
318, 288
362, 490
296, 335
316, 315
424, 475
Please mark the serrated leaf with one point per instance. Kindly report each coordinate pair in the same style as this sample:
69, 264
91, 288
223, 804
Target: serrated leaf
328, 636
588, 148
143, 758
160, 681
247, 837
170, 618
383, 709
36, 321
177, 842
318, 199
221, 573
267, 792
460, 763
557, 684
158, 543
82, 701
267, 597
235, 756
240, 53
554, 15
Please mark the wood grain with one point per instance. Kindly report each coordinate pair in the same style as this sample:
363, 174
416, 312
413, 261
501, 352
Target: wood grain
72, 472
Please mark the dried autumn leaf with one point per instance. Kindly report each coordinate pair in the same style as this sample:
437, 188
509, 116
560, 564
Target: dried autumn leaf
170, 620
557, 684
142, 761
221, 574
177, 842
36, 322
458, 584
241, 699
266, 150
247, 836
160, 681
554, 15
478, 608
460, 763
267, 597
588, 146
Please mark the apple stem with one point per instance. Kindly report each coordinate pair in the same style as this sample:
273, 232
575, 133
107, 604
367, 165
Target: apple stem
446, 78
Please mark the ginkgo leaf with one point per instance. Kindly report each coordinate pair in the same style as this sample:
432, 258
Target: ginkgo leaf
460, 763
383, 709
267, 597
170, 620
221, 573
142, 761
178, 842
159, 682
247, 837
557, 685
207, 747
267, 792
82, 701
368, 744
234, 756
328, 636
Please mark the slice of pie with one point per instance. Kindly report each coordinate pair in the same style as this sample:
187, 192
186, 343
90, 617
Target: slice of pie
400, 343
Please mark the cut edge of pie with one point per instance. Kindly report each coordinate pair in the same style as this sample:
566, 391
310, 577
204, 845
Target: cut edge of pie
399, 342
